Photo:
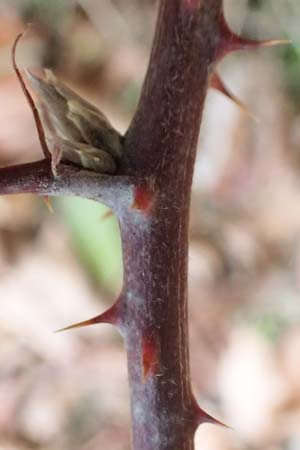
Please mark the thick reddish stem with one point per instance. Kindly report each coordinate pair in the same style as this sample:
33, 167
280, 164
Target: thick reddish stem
161, 145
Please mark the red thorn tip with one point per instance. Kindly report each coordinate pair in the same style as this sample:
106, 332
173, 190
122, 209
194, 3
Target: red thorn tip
149, 356
142, 199
217, 83
110, 316
201, 416
204, 417
230, 42
47, 202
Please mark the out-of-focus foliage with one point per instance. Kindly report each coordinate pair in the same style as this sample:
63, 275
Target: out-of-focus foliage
95, 234
286, 15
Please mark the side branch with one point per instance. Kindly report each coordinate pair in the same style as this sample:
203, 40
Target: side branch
36, 177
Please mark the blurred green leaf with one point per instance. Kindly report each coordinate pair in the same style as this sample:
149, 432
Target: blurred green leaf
269, 325
96, 239
47, 11
290, 56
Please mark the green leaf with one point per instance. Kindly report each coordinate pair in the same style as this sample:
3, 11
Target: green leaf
96, 239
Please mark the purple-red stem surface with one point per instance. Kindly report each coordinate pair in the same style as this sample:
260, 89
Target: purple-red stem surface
161, 145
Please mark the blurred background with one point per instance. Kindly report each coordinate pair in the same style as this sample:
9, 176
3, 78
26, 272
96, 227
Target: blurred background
69, 391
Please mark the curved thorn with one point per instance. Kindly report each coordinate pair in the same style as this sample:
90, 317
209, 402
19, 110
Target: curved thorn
217, 83
201, 417
36, 116
110, 316
230, 42
204, 417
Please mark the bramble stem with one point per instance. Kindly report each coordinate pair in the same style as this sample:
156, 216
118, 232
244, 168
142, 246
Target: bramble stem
161, 145
152, 201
